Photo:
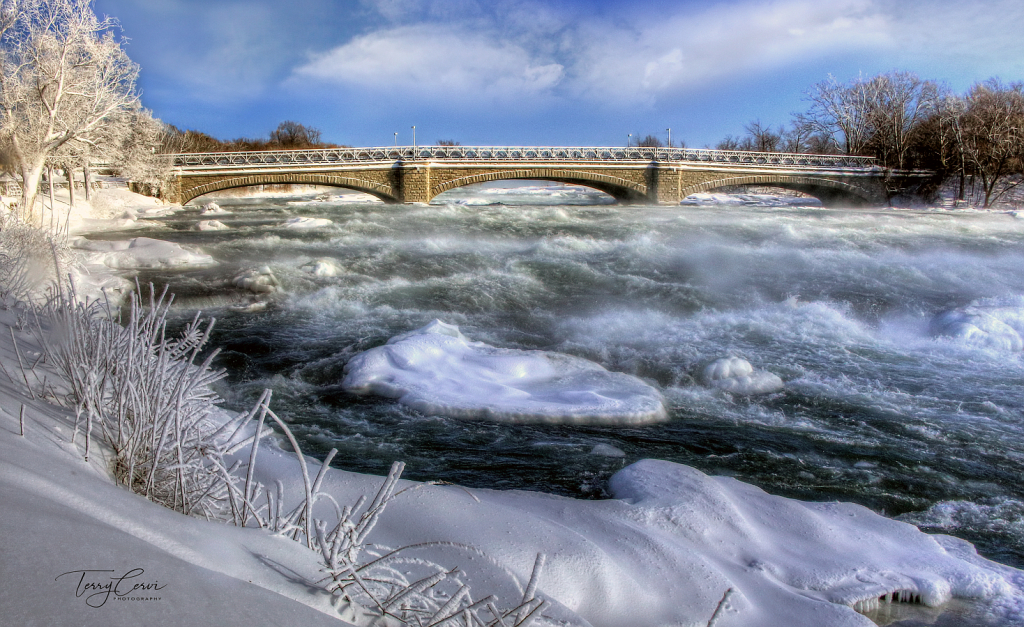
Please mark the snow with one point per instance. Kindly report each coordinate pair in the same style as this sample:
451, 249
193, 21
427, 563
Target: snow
306, 223
257, 280
322, 267
737, 376
141, 253
438, 370
211, 225
213, 209
762, 200
663, 551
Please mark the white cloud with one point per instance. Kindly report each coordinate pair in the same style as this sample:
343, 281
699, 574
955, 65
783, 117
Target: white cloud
684, 51
967, 41
648, 52
434, 60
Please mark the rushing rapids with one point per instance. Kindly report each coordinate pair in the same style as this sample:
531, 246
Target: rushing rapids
891, 333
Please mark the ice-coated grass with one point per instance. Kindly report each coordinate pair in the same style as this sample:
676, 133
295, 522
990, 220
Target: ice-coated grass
371, 583
144, 393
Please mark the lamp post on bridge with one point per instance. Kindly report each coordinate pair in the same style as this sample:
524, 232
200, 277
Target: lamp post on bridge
396, 139
414, 136
629, 140
669, 137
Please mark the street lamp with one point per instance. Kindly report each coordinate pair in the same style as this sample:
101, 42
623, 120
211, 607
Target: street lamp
396, 139
629, 140
413, 136
669, 137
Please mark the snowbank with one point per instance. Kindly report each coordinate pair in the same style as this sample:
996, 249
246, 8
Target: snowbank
111, 208
437, 370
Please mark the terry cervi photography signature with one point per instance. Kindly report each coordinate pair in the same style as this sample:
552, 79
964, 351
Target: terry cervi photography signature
97, 587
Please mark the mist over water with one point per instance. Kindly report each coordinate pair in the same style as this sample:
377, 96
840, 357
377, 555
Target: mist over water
876, 409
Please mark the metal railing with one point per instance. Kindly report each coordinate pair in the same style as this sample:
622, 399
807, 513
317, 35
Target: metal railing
329, 156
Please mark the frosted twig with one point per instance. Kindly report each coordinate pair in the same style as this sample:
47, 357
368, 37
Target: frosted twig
20, 363
263, 405
721, 607
21, 420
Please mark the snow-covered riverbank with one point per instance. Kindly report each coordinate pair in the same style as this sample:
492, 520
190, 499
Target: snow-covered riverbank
663, 551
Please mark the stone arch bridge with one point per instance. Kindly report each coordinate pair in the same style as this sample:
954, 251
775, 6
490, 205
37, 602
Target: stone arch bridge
639, 175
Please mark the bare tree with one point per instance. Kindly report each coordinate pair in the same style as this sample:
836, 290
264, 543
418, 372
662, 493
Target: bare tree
803, 137
993, 135
840, 112
289, 134
729, 143
896, 104
64, 79
650, 141
761, 138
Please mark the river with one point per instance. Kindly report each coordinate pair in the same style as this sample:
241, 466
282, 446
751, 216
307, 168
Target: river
877, 408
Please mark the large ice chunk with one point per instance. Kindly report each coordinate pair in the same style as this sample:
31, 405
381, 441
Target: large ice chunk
737, 376
142, 253
438, 370
306, 223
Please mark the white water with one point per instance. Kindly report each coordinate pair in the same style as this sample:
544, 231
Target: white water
877, 408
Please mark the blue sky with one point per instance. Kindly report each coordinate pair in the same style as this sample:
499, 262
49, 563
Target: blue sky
527, 72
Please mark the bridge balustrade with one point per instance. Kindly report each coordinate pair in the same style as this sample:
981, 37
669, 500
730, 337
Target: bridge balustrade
328, 156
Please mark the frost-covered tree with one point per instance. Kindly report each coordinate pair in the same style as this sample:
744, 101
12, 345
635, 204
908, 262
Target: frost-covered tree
138, 148
65, 85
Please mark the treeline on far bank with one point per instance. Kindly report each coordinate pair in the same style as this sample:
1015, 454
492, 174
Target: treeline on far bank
905, 122
288, 135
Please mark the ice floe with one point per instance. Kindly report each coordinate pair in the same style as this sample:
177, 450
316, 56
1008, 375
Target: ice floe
737, 376
306, 223
211, 225
257, 280
607, 450
213, 209
322, 267
141, 253
438, 370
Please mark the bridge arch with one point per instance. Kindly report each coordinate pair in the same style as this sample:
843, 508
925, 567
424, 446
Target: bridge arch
373, 188
829, 192
618, 188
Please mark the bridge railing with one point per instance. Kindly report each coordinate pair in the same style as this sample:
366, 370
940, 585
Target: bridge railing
329, 156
